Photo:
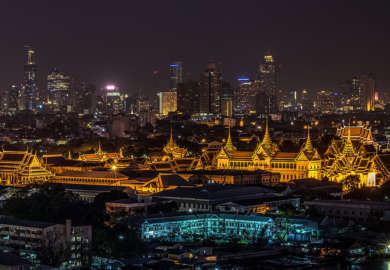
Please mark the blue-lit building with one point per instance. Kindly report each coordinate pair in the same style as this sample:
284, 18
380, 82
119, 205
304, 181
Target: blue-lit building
175, 75
227, 226
246, 96
30, 92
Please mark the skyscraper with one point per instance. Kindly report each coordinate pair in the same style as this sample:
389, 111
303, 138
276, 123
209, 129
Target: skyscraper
210, 90
227, 97
167, 102
367, 92
246, 96
30, 89
268, 77
175, 75
188, 97
58, 87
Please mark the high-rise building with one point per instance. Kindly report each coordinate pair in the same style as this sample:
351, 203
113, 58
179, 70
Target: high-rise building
13, 98
367, 92
175, 75
188, 97
246, 96
86, 98
167, 102
227, 100
113, 99
58, 87
268, 77
210, 90
325, 101
30, 89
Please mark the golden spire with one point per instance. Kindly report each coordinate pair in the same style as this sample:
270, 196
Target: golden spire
99, 148
69, 155
348, 147
308, 144
267, 138
171, 142
121, 152
229, 144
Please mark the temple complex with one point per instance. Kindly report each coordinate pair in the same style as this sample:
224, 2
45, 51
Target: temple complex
267, 156
355, 154
99, 156
22, 168
172, 150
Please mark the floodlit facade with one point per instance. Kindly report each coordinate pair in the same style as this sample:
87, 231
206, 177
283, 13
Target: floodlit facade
356, 154
167, 102
225, 226
22, 168
267, 156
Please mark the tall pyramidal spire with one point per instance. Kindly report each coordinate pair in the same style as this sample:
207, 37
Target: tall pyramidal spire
267, 138
308, 144
229, 144
99, 148
171, 141
348, 147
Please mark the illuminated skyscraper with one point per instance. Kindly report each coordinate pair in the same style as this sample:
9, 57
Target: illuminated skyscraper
227, 98
268, 76
13, 98
113, 99
30, 89
58, 87
210, 90
175, 75
246, 96
367, 92
167, 102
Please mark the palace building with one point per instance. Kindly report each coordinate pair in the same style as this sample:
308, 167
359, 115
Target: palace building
356, 154
22, 168
100, 156
173, 151
267, 156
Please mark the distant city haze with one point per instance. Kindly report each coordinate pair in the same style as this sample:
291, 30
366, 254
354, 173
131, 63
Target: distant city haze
317, 44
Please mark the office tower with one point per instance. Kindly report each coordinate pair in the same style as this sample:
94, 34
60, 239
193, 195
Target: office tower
142, 104
175, 75
13, 98
167, 102
112, 99
268, 77
30, 89
367, 92
325, 101
188, 97
58, 87
246, 96
85, 98
210, 90
227, 100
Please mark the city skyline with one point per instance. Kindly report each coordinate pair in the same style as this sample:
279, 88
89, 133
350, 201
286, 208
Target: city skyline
317, 46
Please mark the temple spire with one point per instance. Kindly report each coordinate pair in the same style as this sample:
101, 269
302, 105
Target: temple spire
348, 147
171, 142
69, 155
229, 144
267, 138
308, 144
99, 148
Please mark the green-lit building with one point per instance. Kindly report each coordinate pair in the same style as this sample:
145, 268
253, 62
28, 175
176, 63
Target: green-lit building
226, 226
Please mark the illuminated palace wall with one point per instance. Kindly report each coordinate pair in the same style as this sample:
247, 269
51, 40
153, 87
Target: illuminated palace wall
354, 153
225, 226
267, 156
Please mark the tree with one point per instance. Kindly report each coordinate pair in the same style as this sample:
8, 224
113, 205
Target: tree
350, 183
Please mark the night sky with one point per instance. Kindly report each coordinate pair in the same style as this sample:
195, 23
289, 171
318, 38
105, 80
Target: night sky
319, 44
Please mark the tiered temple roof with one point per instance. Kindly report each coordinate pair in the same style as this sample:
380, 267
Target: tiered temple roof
21, 168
